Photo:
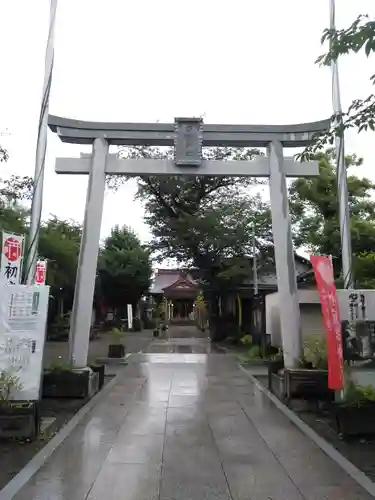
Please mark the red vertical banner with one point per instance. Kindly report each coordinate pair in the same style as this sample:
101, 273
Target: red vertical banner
41, 272
331, 318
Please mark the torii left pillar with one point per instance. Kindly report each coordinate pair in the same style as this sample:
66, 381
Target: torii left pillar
88, 257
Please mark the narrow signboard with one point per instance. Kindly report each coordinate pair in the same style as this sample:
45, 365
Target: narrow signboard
41, 272
130, 317
11, 258
23, 316
331, 318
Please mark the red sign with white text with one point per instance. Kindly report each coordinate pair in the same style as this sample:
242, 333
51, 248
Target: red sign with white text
331, 318
12, 249
40, 272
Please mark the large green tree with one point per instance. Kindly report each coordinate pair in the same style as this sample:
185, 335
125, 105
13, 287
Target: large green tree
205, 222
202, 221
124, 270
59, 243
315, 215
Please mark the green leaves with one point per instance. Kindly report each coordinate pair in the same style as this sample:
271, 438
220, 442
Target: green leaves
3, 154
360, 34
59, 243
204, 222
361, 113
314, 209
124, 268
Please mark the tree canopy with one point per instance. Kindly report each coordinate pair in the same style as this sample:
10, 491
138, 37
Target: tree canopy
59, 243
124, 269
203, 221
359, 36
314, 211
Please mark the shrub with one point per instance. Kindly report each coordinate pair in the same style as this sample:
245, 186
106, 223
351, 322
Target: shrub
247, 340
255, 352
356, 395
315, 352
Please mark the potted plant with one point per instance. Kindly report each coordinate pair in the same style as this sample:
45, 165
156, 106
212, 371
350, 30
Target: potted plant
116, 349
355, 413
60, 380
310, 380
18, 419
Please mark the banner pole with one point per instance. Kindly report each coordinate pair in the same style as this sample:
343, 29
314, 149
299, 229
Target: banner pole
339, 395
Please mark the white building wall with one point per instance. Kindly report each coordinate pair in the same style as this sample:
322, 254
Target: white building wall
310, 311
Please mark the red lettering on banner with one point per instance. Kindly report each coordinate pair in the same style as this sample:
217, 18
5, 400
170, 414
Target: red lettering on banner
331, 318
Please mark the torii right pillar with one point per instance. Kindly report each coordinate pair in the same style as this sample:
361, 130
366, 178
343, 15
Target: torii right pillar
284, 257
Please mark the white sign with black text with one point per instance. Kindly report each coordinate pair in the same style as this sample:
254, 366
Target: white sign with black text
23, 317
130, 316
356, 305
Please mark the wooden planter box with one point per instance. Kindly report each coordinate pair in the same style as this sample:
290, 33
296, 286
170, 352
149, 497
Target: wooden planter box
311, 385
277, 385
100, 370
355, 420
69, 384
116, 351
274, 367
19, 420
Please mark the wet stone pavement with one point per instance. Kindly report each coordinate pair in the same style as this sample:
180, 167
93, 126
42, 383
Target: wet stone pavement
184, 423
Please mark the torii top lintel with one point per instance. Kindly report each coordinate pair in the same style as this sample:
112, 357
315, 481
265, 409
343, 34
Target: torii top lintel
163, 134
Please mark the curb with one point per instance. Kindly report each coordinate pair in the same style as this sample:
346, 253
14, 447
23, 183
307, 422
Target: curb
38, 460
357, 475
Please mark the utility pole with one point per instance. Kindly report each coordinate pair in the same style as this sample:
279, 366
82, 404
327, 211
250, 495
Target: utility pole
342, 181
40, 157
255, 266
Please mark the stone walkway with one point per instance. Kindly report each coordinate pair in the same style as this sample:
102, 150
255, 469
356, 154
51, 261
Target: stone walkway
187, 426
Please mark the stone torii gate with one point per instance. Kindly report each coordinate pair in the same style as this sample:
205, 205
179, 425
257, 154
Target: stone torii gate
187, 135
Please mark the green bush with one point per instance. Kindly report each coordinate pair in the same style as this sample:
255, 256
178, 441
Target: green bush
247, 340
315, 352
254, 352
356, 395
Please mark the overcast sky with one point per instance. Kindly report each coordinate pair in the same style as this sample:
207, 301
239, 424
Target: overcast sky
243, 61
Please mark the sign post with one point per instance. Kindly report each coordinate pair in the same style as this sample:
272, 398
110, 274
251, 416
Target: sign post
330, 310
130, 317
11, 258
23, 316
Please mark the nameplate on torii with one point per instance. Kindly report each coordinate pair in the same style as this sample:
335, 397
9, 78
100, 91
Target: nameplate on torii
259, 167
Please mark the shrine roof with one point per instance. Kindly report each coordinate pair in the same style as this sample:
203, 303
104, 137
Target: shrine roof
166, 278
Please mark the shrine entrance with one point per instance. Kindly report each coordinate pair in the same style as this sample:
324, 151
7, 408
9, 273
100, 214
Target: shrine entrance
188, 136
182, 310
179, 289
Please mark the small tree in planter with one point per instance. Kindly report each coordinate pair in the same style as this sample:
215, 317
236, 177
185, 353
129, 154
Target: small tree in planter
18, 419
116, 349
355, 413
311, 381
